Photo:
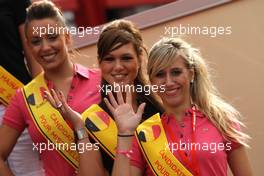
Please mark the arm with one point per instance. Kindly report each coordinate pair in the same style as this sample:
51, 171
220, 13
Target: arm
8, 138
32, 64
90, 160
239, 163
122, 163
127, 121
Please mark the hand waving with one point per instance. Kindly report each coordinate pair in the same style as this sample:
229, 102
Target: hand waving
127, 120
57, 100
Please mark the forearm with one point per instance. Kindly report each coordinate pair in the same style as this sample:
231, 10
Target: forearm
122, 162
4, 170
90, 159
90, 162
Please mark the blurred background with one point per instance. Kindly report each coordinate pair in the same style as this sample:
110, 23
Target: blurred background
90, 13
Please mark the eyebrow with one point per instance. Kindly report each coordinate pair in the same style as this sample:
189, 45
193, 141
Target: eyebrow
124, 54
176, 68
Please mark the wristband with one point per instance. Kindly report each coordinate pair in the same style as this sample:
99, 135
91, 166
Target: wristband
125, 135
127, 153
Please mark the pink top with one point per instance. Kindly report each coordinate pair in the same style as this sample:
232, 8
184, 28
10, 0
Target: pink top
84, 92
212, 156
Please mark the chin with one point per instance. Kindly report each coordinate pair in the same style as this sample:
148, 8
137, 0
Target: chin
172, 104
123, 82
171, 101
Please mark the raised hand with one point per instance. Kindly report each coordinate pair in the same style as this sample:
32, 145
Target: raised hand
58, 101
126, 119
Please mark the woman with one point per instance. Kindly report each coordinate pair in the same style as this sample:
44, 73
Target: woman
50, 48
198, 134
120, 56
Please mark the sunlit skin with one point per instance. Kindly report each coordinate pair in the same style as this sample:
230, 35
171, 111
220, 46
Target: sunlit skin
176, 79
121, 65
49, 49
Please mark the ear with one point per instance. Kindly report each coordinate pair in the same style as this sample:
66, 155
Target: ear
68, 39
140, 60
27, 41
191, 74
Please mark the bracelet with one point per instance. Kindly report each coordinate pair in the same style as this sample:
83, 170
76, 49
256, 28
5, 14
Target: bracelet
80, 134
125, 135
127, 153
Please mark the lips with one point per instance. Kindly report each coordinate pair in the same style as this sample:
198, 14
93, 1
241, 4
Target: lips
119, 77
49, 57
172, 91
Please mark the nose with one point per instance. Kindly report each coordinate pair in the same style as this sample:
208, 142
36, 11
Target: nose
45, 45
169, 80
118, 65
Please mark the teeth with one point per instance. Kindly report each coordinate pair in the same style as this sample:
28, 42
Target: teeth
171, 91
119, 76
49, 57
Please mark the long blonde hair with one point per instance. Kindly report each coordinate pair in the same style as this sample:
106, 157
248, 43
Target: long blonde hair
202, 91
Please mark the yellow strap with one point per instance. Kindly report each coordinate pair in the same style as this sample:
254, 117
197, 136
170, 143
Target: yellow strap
102, 128
49, 121
8, 86
154, 145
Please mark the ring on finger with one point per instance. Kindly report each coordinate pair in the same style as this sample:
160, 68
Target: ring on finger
59, 106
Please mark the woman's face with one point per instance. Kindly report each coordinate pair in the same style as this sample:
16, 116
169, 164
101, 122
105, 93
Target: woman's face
176, 79
121, 65
48, 44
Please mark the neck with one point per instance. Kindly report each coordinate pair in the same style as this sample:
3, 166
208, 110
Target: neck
178, 111
64, 71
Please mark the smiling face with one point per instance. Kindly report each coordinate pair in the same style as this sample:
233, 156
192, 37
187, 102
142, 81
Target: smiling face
48, 48
120, 65
176, 78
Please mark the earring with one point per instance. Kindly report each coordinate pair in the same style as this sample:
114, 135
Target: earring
192, 81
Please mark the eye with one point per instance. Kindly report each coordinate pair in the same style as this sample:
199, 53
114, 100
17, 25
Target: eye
53, 37
176, 72
108, 59
160, 74
126, 58
35, 41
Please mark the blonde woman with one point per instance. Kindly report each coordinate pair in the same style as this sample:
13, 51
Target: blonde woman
199, 133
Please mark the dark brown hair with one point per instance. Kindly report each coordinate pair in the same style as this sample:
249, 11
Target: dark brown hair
118, 33
41, 10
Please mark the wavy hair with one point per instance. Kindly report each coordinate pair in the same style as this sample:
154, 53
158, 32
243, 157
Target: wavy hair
202, 91
118, 33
